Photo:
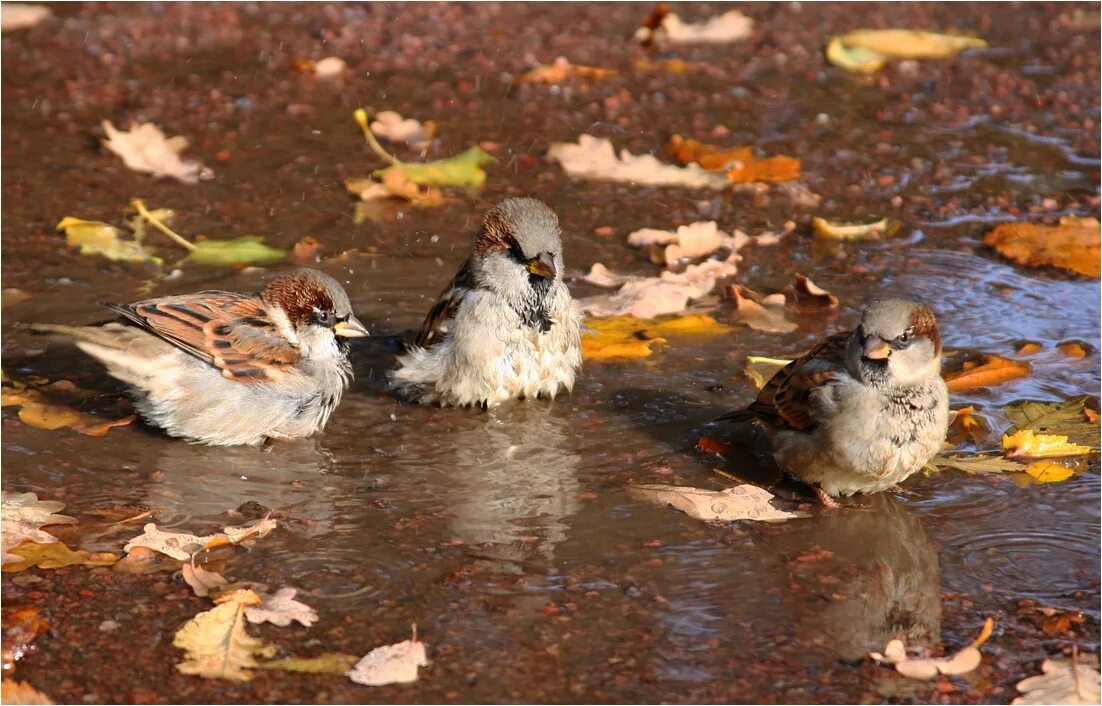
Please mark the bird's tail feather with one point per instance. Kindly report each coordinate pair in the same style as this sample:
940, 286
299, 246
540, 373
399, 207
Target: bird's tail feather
106, 338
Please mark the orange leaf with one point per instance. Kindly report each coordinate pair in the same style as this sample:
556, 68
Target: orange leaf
1030, 349
994, 371
561, 70
712, 446
740, 162
1073, 349
1072, 245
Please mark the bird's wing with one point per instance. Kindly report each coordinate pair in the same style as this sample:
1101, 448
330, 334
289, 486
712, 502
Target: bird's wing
447, 304
786, 399
232, 332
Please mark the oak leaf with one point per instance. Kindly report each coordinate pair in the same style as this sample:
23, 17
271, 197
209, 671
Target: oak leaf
1063, 681
391, 664
216, 643
22, 515
281, 609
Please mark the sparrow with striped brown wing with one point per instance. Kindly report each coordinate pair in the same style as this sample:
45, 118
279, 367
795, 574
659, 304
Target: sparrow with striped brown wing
864, 409
222, 368
506, 326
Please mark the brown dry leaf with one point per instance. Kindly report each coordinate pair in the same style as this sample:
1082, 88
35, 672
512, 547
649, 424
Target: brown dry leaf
764, 314
1062, 622
805, 295
36, 409
22, 626
23, 515
962, 662
1063, 681
1068, 418
979, 463
560, 70
144, 148
741, 164
391, 664
742, 502
54, 556
281, 609
625, 337
1073, 245
183, 546
216, 643
1026, 444
203, 582
1091, 414
305, 251
21, 692
995, 370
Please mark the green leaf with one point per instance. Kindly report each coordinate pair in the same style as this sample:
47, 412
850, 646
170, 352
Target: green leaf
464, 169
97, 238
246, 250
328, 663
1067, 418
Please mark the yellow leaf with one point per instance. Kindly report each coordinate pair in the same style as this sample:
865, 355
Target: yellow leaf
994, 371
96, 238
856, 59
760, 370
837, 230
625, 337
561, 69
21, 692
1074, 245
867, 50
1026, 444
1048, 472
54, 556
216, 643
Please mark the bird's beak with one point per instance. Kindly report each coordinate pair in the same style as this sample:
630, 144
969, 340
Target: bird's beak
543, 266
350, 328
877, 348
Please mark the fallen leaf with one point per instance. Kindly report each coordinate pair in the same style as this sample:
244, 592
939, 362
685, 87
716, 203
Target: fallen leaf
688, 242
10, 296
55, 556
328, 663
764, 314
714, 447
96, 238
995, 370
805, 295
395, 185
1073, 349
21, 15
21, 692
464, 169
1066, 418
391, 664
1062, 623
1048, 472
246, 250
663, 26
966, 424
761, 370
261, 528
1029, 348
979, 463
281, 609
1073, 245
144, 148
305, 251
560, 70
204, 583
23, 515
22, 626
595, 158
41, 415
867, 50
216, 643
648, 297
1025, 444
624, 337
182, 546
143, 560
329, 67
392, 126
837, 230
740, 163
1063, 681
961, 662
742, 502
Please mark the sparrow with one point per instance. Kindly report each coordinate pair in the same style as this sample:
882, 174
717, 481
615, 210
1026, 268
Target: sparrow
506, 326
864, 409
222, 368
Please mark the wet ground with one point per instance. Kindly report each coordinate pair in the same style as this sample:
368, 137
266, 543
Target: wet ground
508, 537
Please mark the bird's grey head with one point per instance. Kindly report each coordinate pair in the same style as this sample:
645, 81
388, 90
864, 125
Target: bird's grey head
896, 344
317, 310
518, 252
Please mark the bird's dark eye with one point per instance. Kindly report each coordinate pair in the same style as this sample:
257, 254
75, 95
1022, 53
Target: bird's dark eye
325, 317
904, 339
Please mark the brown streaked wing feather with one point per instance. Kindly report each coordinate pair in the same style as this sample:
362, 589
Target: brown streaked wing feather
230, 331
786, 398
447, 304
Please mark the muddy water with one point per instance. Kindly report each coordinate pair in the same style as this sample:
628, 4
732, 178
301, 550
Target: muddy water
508, 536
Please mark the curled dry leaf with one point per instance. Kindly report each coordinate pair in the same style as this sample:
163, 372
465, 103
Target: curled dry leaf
662, 26
595, 158
183, 546
22, 515
215, 641
836, 230
626, 337
805, 295
867, 50
392, 126
740, 163
1025, 444
961, 662
1073, 245
995, 370
204, 583
764, 314
144, 148
395, 185
742, 502
21, 692
391, 664
689, 242
648, 297
305, 251
1063, 681
281, 609
560, 70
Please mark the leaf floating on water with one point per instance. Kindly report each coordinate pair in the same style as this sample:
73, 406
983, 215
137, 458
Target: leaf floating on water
595, 158
464, 169
740, 163
761, 370
837, 230
395, 185
281, 609
246, 250
390, 125
867, 50
995, 370
391, 664
204, 583
625, 337
328, 663
805, 295
23, 515
742, 502
1048, 472
21, 692
961, 662
662, 26
55, 556
1026, 444
97, 238
688, 242
980, 463
561, 70
21, 15
648, 297
182, 546
1063, 681
765, 314
1073, 245
144, 148
1066, 418
216, 643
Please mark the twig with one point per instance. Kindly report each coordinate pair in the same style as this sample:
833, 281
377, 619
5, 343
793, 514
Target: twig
361, 120
156, 223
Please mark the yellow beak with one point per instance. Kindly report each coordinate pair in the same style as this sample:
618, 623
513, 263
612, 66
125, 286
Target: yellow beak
350, 328
877, 348
542, 266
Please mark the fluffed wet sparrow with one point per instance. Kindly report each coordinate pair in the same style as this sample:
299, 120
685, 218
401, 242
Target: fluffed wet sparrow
223, 368
864, 409
506, 326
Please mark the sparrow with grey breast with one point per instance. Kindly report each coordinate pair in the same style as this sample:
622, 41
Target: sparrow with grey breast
863, 410
506, 326
223, 368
